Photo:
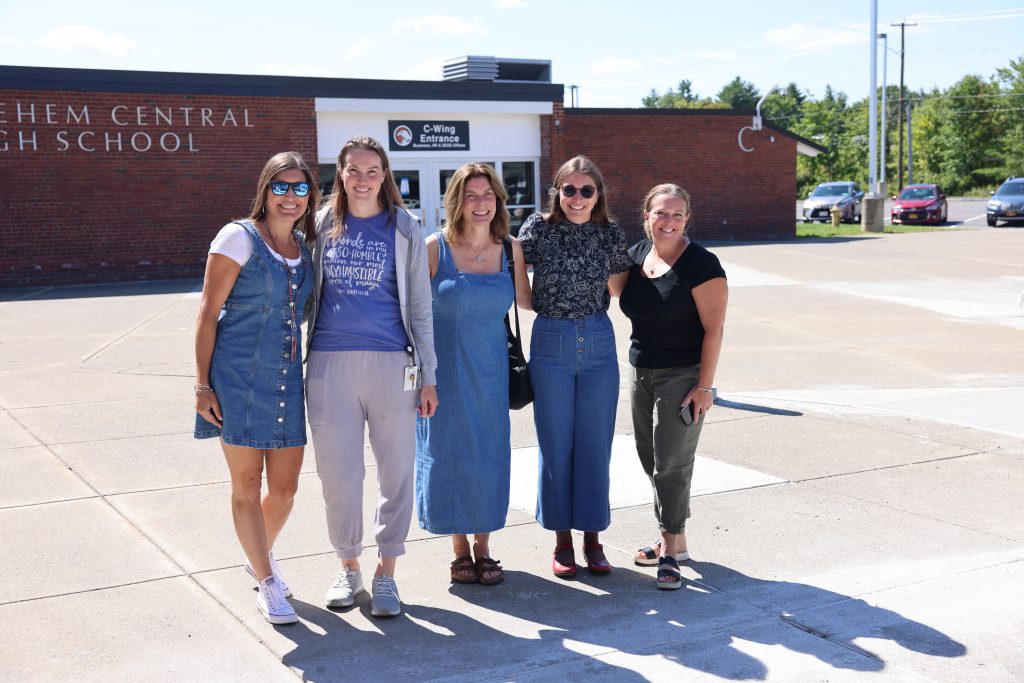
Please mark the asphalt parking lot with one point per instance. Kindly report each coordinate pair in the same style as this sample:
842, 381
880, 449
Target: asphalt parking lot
963, 211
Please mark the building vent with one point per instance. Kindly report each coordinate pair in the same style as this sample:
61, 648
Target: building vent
479, 68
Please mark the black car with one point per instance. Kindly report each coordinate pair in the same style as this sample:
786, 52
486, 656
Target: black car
1007, 203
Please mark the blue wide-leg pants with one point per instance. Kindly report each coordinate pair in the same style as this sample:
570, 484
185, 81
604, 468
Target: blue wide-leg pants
575, 377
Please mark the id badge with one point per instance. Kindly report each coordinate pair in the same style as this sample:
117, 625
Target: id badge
412, 377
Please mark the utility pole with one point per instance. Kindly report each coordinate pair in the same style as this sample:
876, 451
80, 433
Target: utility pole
899, 164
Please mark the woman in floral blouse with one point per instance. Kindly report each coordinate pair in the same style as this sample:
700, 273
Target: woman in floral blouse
574, 248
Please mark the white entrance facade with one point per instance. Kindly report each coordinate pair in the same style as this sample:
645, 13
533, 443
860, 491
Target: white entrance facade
503, 134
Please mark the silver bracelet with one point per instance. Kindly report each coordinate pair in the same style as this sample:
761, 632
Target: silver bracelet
203, 389
706, 390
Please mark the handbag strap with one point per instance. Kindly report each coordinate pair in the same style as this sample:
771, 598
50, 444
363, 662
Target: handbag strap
510, 265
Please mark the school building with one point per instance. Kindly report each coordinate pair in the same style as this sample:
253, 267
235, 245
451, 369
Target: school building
127, 175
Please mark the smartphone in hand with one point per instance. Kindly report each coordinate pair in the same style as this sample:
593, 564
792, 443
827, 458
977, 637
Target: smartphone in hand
686, 414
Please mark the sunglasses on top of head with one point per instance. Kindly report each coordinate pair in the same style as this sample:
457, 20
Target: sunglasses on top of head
280, 188
587, 191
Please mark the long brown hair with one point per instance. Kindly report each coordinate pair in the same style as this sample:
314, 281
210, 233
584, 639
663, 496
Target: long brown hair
578, 164
287, 161
455, 202
670, 189
389, 198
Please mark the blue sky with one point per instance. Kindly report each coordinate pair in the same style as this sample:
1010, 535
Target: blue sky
614, 51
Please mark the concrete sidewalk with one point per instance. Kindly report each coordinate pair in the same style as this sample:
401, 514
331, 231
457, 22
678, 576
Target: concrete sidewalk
857, 511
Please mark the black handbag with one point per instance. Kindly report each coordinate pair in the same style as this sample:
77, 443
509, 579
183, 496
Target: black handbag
520, 390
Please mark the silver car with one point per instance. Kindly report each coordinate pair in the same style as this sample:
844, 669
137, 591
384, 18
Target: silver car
844, 194
1007, 203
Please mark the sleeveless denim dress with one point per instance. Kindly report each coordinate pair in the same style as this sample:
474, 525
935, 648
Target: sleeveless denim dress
463, 456
258, 384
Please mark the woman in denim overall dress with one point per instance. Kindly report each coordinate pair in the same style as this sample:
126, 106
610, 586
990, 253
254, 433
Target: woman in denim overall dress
249, 362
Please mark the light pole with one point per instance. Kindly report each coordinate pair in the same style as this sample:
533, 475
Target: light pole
899, 164
873, 102
882, 189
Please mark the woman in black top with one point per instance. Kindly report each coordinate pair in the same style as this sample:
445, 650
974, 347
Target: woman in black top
574, 247
675, 295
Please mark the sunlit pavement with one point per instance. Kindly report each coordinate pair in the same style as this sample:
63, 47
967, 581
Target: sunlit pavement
856, 509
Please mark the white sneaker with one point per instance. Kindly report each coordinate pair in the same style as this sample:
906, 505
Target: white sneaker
346, 586
385, 601
272, 604
285, 589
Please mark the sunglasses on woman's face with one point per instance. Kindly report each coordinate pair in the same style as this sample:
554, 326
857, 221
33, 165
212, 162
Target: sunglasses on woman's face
587, 191
280, 188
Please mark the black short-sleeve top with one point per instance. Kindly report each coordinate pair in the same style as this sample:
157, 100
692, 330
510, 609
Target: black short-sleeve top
572, 264
667, 332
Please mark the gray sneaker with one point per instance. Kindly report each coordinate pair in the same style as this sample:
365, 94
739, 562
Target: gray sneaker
346, 586
385, 601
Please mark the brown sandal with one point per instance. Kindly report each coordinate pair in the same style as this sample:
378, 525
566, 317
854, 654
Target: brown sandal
461, 566
487, 565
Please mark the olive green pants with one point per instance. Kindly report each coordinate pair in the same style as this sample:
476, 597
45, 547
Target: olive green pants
665, 444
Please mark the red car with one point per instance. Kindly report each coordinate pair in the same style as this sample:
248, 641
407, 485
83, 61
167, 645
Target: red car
920, 204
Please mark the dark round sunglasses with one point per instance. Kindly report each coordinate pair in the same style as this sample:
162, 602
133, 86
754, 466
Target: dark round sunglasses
280, 188
587, 191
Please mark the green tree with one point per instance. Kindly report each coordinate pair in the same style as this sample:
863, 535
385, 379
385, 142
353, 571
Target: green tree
957, 135
1011, 80
681, 98
739, 94
784, 108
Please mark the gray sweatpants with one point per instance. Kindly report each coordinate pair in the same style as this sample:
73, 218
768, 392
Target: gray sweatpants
667, 447
345, 391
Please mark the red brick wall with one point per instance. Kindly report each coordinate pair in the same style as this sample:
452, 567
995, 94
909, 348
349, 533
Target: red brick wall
68, 215
736, 195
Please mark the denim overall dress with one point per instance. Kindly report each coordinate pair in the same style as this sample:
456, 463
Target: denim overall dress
257, 381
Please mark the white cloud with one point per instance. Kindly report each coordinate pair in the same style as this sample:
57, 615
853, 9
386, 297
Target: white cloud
86, 37
610, 66
508, 4
438, 25
359, 49
816, 38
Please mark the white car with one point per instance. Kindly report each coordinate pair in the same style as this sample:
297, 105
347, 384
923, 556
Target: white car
844, 194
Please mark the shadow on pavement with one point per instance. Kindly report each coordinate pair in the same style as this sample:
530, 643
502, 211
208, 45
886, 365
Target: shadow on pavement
754, 408
534, 628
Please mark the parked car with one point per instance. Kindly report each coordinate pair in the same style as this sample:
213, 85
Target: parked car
1007, 203
920, 204
844, 194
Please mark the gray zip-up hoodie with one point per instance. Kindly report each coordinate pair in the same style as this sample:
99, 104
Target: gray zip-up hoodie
414, 295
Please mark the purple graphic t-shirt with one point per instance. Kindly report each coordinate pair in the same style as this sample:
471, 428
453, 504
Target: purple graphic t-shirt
359, 308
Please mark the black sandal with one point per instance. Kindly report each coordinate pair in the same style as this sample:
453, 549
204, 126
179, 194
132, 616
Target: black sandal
669, 568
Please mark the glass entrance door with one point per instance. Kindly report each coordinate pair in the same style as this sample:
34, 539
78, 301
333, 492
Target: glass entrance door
412, 184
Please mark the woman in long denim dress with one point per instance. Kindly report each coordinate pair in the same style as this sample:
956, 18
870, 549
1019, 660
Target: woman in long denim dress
249, 362
463, 454
574, 248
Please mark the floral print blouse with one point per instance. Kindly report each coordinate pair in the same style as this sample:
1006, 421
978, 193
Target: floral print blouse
572, 264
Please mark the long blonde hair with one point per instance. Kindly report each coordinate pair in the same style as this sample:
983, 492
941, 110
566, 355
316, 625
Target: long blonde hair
455, 202
389, 198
